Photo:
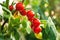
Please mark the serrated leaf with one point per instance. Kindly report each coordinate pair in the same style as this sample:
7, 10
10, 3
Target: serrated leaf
14, 23
13, 26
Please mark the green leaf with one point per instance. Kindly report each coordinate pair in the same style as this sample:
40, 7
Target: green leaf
13, 28
2, 4
6, 16
44, 22
50, 30
6, 10
17, 20
31, 36
15, 34
7, 4
24, 23
41, 12
53, 30
13, 3
7, 13
37, 15
14, 22
26, 2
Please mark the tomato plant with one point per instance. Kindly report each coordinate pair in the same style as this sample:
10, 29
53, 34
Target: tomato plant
26, 21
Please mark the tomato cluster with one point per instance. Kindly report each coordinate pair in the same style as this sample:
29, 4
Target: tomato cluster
35, 23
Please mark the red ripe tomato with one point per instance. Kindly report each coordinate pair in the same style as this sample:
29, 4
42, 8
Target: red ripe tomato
37, 29
11, 7
23, 12
30, 15
30, 19
32, 26
19, 6
36, 22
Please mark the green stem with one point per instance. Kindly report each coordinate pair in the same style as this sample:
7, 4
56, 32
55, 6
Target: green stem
7, 3
2, 4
